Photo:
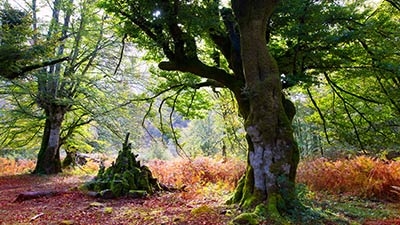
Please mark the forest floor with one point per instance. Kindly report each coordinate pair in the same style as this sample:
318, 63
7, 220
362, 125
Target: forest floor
201, 203
71, 206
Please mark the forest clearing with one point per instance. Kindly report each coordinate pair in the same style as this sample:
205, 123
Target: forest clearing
233, 112
209, 184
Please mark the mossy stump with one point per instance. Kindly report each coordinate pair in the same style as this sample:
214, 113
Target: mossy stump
125, 177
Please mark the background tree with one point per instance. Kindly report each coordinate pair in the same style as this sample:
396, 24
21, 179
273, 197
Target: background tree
103, 108
220, 133
17, 57
347, 72
104, 105
64, 91
58, 85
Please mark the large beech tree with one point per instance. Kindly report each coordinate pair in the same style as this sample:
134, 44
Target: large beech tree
51, 105
181, 29
63, 88
273, 153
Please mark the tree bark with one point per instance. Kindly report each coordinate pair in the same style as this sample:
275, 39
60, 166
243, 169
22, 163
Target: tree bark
70, 158
49, 155
49, 96
273, 153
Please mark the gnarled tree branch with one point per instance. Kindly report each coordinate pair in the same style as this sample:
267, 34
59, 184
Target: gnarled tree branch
321, 115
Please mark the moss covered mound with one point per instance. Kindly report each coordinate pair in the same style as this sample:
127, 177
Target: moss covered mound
125, 177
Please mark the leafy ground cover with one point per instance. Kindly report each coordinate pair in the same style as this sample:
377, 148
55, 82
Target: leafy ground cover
72, 206
362, 176
201, 203
208, 184
12, 167
352, 209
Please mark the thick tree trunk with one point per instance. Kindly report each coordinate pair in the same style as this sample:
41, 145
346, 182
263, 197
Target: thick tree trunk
273, 153
49, 155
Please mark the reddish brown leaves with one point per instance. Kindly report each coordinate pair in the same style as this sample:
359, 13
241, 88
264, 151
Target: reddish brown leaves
382, 222
74, 207
362, 176
11, 167
199, 172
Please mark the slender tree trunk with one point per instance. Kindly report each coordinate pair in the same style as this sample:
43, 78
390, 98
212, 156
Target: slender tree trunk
273, 153
49, 155
70, 158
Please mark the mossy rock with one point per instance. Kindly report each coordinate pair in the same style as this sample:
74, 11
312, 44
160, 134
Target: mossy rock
88, 186
106, 194
101, 185
135, 171
125, 174
66, 222
130, 178
117, 187
204, 209
143, 183
107, 210
137, 193
246, 219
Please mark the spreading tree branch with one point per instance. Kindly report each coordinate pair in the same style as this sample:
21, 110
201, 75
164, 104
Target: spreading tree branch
198, 68
191, 102
354, 108
152, 31
178, 145
351, 119
144, 120
22, 71
349, 93
387, 94
321, 115
394, 3
183, 57
121, 54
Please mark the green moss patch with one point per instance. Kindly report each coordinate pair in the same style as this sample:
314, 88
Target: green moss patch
126, 177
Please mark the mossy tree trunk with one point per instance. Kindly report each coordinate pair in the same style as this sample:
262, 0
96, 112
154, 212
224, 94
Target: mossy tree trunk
49, 154
273, 153
254, 79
